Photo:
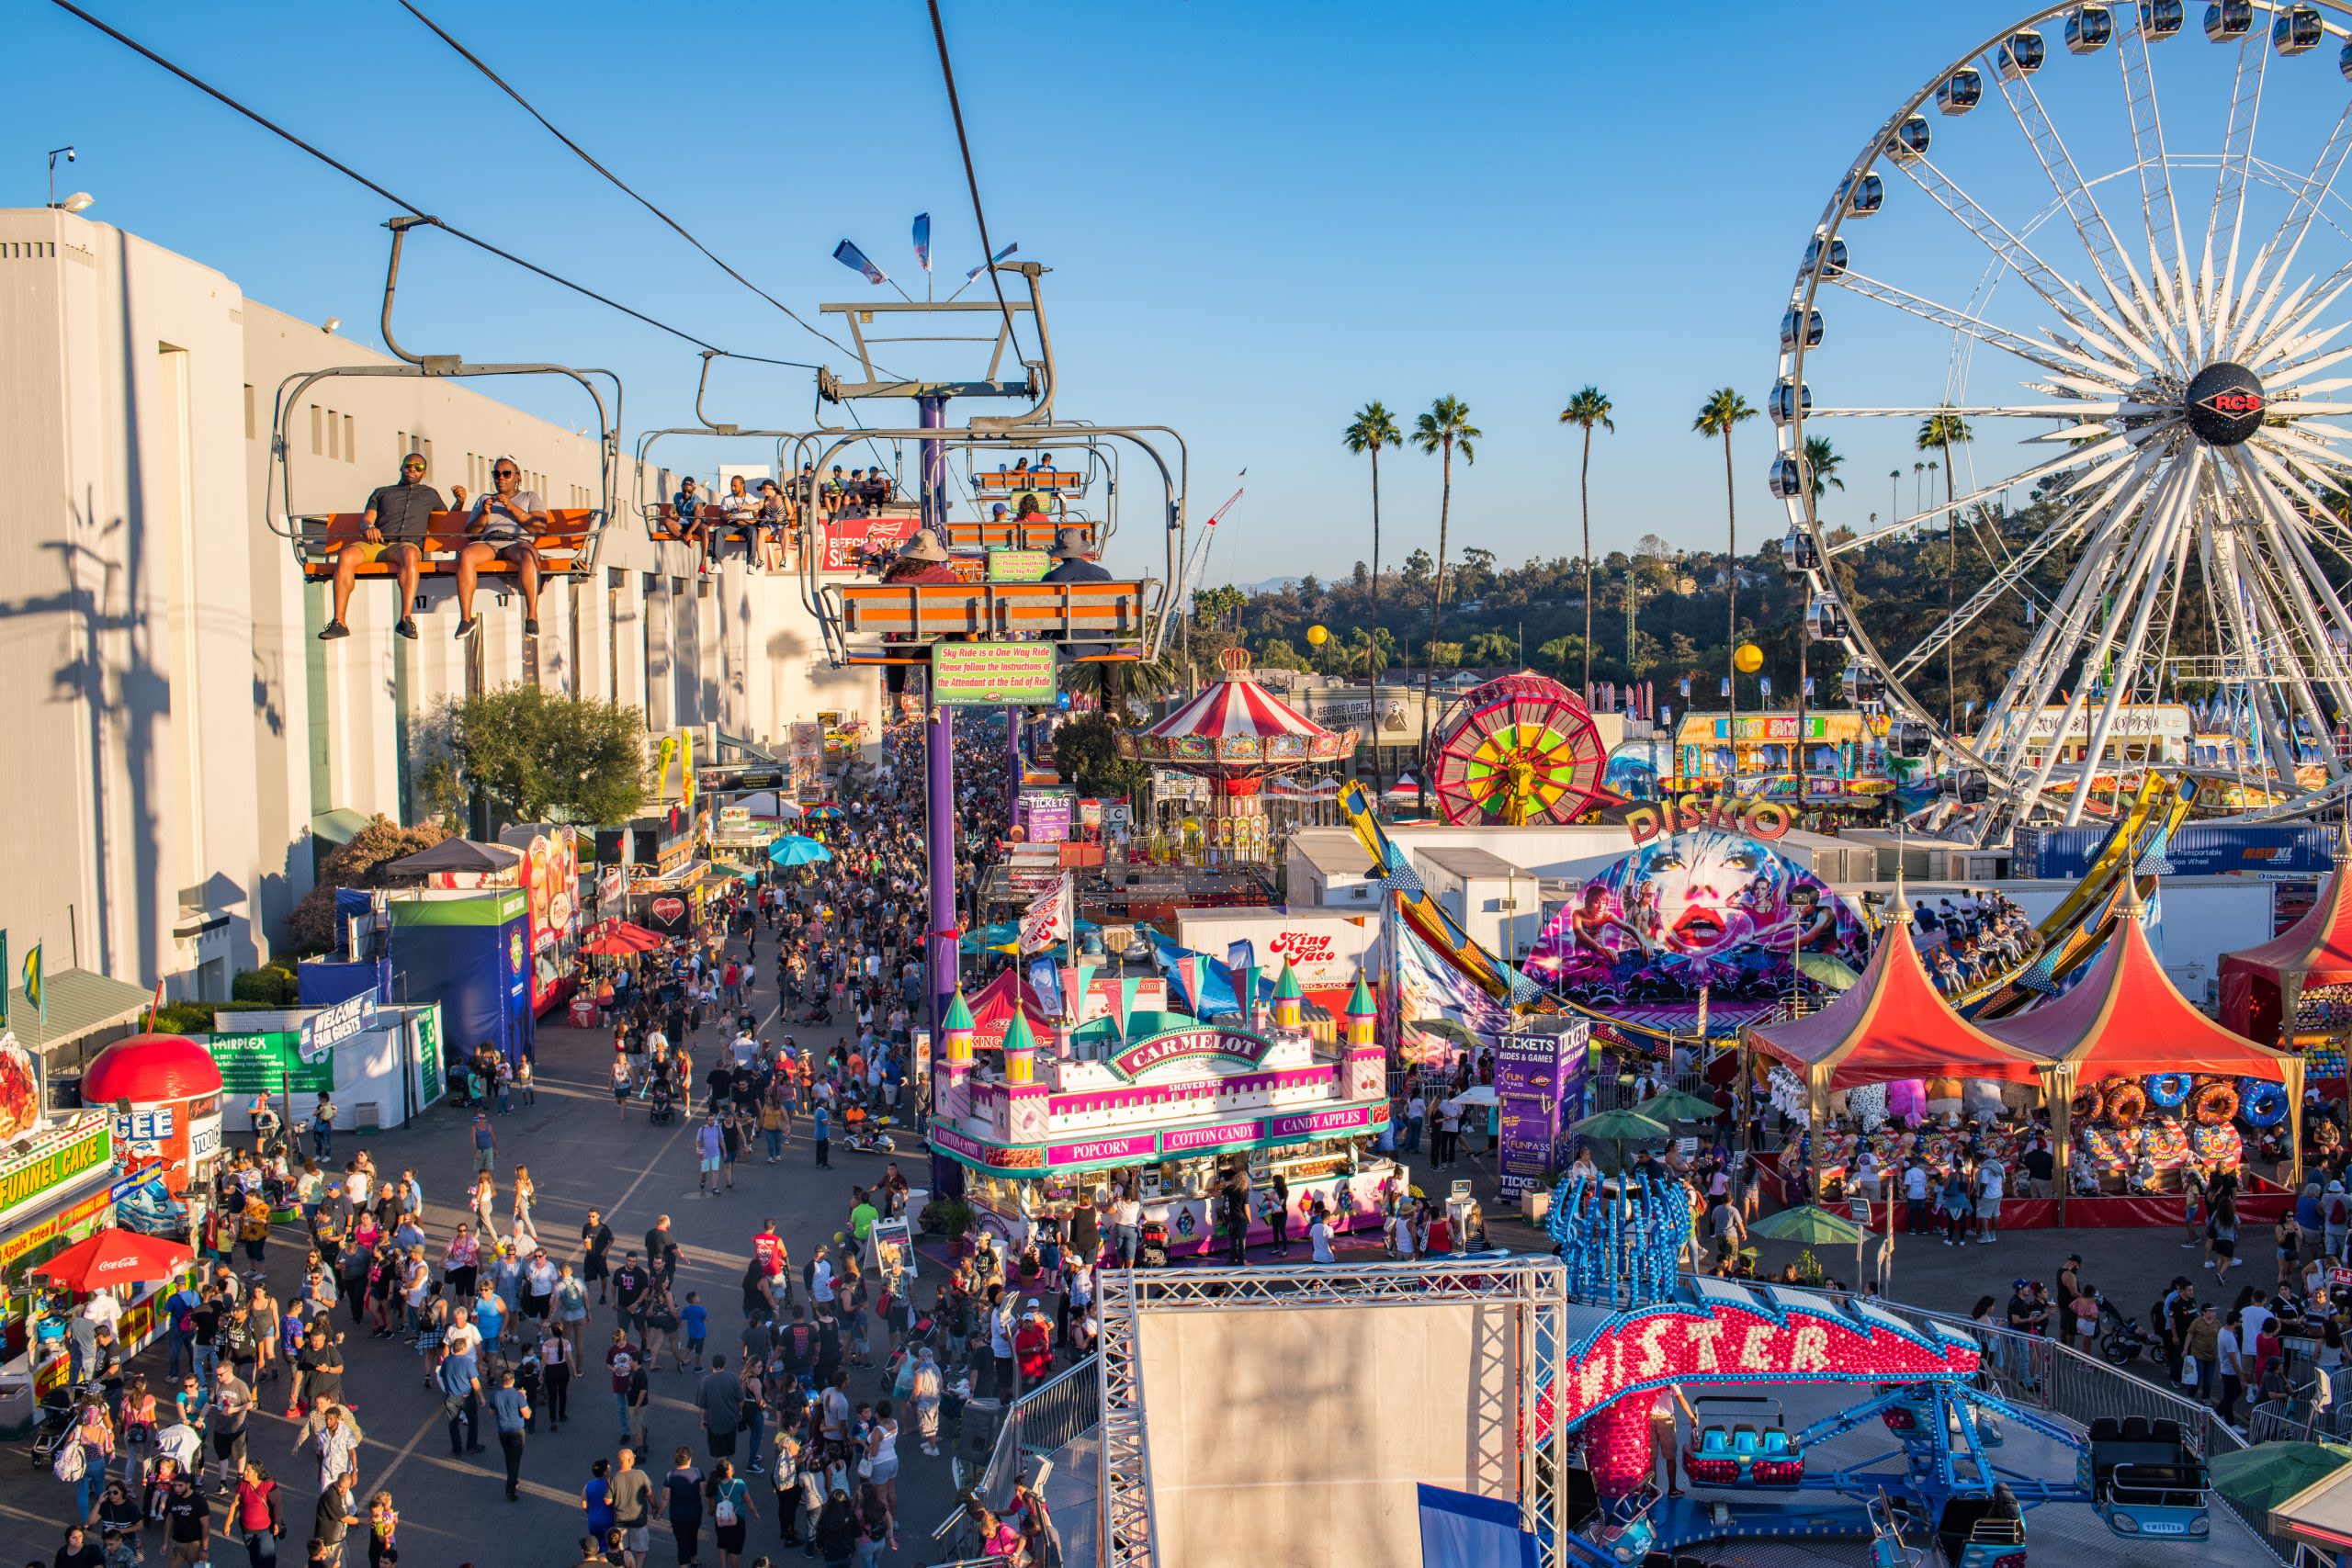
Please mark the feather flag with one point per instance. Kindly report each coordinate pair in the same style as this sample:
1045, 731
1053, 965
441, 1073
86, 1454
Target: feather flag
1049, 917
992, 261
850, 256
922, 240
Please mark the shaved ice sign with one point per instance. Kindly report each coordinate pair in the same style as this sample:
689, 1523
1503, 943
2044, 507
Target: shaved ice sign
997, 673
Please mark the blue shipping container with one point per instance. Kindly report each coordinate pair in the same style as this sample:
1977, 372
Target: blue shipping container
2198, 849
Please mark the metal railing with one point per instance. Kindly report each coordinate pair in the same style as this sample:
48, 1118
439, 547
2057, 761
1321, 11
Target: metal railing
1058, 1411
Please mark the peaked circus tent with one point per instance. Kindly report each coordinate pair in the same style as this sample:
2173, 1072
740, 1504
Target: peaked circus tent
2262, 986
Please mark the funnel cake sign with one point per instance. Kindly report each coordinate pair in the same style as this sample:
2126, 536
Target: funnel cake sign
1227, 1045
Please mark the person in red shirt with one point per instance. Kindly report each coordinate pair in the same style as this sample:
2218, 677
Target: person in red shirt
768, 1247
1032, 1346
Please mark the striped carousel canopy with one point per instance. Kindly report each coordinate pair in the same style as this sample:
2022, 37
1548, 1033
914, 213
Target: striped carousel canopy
1238, 732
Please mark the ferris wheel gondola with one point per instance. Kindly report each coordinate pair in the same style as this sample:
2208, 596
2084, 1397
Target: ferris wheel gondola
2170, 366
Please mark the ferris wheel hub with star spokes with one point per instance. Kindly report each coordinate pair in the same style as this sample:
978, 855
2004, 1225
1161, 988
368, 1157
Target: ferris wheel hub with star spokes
2223, 403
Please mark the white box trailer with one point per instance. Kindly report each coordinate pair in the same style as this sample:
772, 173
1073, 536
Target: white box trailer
1326, 946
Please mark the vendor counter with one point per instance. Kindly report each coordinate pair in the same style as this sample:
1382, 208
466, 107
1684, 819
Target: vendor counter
1182, 1195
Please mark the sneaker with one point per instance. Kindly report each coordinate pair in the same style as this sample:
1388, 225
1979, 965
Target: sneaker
467, 627
406, 626
759, 1469
332, 630
530, 626
2209, 1263
1947, 1241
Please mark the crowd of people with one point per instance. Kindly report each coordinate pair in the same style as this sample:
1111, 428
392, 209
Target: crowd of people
834, 1356
1970, 940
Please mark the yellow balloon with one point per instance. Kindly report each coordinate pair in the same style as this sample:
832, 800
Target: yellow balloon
1318, 636
1747, 658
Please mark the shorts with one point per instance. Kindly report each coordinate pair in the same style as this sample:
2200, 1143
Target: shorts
709, 1164
637, 1540
1989, 1210
366, 554
722, 1444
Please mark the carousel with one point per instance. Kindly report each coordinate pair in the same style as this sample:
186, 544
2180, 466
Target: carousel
1235, 736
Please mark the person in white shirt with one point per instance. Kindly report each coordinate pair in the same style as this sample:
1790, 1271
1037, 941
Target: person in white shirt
1417, 1116
1318, 1236
1915, 1195
105, 1309
1400, 1232
1991, 1183
1126, 1225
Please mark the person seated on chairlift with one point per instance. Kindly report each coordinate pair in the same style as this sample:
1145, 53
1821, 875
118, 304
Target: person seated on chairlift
856, 495
687, 504
737, 508
1029, 506
502, 525
877, 488
923, 558
1073, 560
833, 490
399, 517
771, 520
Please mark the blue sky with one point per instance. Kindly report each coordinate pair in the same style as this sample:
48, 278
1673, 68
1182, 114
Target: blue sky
1259, 216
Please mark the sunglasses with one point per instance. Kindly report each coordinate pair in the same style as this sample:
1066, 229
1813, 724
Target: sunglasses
503, 474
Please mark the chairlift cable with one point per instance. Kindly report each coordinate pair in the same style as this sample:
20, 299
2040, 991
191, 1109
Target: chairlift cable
971, 178
619, 184
408, 207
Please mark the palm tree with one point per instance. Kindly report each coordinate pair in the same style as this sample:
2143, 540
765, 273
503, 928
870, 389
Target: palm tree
1723, 409
1821, 466
1372, 428
1437, 432
1587, 409
1936, 433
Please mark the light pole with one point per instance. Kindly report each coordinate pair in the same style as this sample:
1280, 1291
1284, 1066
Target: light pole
53, 153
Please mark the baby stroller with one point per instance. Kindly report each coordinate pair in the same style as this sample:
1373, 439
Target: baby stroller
661, 1107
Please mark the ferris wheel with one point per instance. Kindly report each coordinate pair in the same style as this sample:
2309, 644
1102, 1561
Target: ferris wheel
1515, 750
2119, 311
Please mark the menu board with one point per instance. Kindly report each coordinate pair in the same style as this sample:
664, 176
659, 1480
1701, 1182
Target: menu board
1540, 1081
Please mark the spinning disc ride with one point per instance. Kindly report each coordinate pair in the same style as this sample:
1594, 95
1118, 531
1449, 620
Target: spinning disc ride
1517, 749
1237, 735
2152, 493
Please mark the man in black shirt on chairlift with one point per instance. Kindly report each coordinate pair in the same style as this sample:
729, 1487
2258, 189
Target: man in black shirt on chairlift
399, 516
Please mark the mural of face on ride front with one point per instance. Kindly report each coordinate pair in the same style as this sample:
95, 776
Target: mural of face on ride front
1707, 907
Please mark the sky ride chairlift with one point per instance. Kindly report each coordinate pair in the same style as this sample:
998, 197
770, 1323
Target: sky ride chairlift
662, 524
891, 622
567, 545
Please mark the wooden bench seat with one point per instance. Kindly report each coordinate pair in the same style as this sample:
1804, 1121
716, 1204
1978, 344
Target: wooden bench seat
560, 548
1044, 481
1003, 533
928, 611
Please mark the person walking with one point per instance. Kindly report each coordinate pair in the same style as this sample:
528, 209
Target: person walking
720, 1398
254, 1514
512, 1412
683, 1505
338, 1512
632, 1509
731, 1512
460, 1386
820, 1128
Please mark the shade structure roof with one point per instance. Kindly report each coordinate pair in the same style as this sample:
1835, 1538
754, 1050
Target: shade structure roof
992, 1009
1893, 1024
1237, 731
456, 856
2125, 1016
2315, 950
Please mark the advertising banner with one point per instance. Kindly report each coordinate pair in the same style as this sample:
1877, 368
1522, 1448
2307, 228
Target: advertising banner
997, 673
68, 1148
846, 539
263, 1062
324, 1030
1045, 814
1325, 949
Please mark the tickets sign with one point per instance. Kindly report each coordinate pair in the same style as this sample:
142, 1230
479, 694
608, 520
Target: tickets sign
996, 673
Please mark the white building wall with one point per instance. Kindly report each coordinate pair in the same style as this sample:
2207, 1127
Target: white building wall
176, 722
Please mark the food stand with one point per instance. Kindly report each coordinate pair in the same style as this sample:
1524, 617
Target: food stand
56, 1186
165, 1092
1171, 1105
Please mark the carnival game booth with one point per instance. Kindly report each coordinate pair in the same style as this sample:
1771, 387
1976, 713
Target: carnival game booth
1172, 1105
1894, 1027
2149, 1085
2296, 989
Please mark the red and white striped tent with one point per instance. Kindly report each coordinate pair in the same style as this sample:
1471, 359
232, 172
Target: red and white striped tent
1237, 735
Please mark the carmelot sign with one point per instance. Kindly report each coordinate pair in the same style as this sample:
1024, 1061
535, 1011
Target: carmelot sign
1754, 819
1159, 1050
69, 1148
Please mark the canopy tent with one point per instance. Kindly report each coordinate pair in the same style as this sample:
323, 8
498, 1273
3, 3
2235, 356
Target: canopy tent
1893, 1024
2125, 1017
456, 856
2263, 986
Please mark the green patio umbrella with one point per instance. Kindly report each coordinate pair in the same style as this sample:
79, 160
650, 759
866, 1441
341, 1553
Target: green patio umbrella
1813, 1225
2262, 1477
1619, 1126
1676, 1105
1823, 969
1448, 1028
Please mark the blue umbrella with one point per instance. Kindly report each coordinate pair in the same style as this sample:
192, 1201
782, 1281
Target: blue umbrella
793, 850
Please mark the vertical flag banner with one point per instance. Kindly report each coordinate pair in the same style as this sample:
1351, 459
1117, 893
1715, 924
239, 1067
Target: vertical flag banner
35, 993
990, 262
4, 981
1048, 919
922, 240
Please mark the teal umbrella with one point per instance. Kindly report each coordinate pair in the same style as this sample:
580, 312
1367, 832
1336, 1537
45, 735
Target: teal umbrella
1617, 1127
1824, 970
793, 850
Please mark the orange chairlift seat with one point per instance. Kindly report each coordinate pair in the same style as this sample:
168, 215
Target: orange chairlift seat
1044, 481
562, 548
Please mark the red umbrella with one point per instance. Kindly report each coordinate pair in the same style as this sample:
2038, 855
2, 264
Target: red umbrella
116, 1257
619, 939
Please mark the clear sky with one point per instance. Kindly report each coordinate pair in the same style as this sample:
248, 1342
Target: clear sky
1257, 216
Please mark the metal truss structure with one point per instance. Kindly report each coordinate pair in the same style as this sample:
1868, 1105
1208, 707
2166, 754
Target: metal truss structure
1536, 1287
2171, 391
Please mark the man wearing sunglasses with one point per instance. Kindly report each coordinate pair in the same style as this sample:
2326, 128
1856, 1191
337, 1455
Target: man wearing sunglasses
502, 527
399, 517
